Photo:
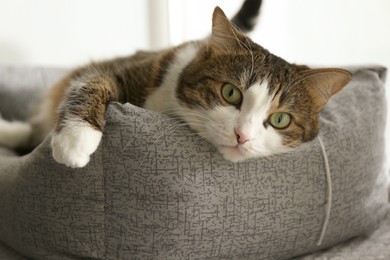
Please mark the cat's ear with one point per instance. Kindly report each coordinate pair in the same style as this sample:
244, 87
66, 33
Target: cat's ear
223, 34
322, 84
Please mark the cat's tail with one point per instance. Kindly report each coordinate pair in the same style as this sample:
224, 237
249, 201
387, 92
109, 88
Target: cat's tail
14, 135
246, 17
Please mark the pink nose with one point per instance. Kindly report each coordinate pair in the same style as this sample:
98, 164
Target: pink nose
241, 136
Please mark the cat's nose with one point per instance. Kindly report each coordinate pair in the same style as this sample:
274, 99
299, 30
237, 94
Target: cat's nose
241, 136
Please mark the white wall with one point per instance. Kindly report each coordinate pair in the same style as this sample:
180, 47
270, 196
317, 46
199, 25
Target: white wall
328, 31
70, 32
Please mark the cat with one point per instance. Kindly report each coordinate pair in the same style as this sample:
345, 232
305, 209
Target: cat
234, 93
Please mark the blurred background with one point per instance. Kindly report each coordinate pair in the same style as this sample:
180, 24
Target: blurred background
72, 32
66, 33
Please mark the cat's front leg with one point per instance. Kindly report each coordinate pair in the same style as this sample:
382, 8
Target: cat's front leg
80, 122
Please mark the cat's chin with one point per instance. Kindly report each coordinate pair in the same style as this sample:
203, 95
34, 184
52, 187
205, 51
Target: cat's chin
234, 153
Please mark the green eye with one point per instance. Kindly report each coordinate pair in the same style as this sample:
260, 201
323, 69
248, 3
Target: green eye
280, 120
231, 94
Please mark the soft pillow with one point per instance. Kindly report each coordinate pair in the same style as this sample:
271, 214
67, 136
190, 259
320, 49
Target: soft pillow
155, 190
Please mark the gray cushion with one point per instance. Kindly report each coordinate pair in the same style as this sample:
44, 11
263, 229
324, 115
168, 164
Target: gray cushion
374, 246
154, 190
7, 253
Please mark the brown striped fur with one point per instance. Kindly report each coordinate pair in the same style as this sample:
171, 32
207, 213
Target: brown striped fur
122, 80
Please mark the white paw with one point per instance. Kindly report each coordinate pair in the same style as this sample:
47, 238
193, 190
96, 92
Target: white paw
74, 144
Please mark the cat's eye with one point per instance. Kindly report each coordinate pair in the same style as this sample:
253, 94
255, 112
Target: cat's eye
280, 120
231, 94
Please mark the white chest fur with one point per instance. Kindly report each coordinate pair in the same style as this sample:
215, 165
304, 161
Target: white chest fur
164, 98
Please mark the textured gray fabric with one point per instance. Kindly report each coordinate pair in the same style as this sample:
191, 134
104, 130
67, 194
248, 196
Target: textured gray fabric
375, 246
154, 190
6, 253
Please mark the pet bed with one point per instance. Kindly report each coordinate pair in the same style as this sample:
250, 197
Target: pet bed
154, 190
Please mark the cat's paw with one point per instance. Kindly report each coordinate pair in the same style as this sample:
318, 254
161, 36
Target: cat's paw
74, 144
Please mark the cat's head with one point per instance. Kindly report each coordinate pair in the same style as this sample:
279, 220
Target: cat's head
249, 102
